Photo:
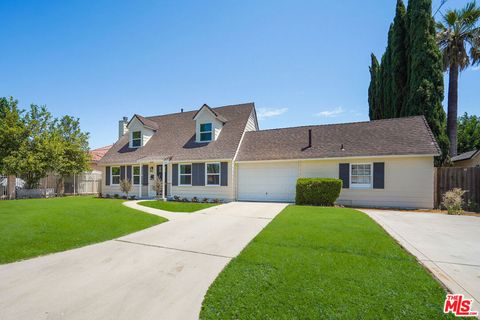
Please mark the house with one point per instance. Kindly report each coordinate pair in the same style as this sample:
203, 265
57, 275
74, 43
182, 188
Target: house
467, 159
97, 155
221, 153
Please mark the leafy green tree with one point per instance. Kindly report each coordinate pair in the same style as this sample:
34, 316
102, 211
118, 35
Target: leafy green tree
458, 31
74, 157
38, 154
12, 130
425, 72
468, 133
374, 104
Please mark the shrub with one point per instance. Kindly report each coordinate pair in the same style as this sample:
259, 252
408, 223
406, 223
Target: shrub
216, 200
318, 191
194, 199
176, 198
116, 196
107, 196
133, 197
184, 200
205, 200
453, 201
472, 206
125, 186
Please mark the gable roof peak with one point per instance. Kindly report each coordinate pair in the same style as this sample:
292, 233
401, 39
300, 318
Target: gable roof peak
212, 111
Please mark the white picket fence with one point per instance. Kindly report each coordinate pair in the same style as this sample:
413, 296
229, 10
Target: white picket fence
79, 184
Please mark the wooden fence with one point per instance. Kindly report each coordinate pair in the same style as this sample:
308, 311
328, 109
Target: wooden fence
447, 178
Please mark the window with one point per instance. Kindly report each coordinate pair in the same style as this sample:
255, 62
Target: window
213, 174
361, 175
136, 139
115, 175
206, 132
136, 175
185, 174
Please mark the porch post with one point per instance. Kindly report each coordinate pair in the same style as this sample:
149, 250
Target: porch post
163, 180
141, 181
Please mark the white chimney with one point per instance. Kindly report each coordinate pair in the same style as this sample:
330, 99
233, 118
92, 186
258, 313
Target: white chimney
122, 127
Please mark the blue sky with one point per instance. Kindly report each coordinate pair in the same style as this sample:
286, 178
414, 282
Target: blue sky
301, 62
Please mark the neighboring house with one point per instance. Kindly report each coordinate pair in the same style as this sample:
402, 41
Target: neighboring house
221, 153
97, 155
467, 159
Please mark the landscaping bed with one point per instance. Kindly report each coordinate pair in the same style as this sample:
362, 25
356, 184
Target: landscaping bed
324, 263
175, 206
34, 227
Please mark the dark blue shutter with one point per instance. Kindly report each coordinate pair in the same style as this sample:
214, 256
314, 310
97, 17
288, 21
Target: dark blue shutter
378, 175
145, 175
198, 174
107, 176
175, 174
129, 173
344, 174
224, 174
122, 172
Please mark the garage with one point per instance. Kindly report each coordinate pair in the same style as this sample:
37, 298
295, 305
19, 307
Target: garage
272, 181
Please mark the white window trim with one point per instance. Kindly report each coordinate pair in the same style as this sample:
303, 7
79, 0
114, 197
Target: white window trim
185, 174
141, 139
361, 186
139, 176
219, 175
119, 176
210, 131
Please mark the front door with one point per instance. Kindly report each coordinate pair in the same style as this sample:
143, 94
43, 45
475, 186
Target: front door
159, 176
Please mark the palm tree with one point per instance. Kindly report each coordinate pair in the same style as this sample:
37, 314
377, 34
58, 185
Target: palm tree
457, 31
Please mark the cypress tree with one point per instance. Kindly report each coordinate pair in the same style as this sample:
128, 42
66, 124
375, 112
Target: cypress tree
399, 60
425, 72
373, 102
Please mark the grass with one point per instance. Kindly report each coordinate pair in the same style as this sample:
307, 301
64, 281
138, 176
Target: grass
323, 263
30, 228
175, 206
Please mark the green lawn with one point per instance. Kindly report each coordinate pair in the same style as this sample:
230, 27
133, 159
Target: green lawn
174, 206
323, 263
30, 228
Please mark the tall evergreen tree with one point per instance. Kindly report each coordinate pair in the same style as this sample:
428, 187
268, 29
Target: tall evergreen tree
373, 102
387, 77
425, 70
399, 59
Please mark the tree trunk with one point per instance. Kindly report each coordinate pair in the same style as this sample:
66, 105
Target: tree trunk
61, 186
452, 109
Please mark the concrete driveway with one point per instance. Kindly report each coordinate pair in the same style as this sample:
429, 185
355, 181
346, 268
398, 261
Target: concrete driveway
449, 246
159, 273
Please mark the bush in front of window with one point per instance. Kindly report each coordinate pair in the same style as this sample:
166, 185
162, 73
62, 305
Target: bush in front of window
318, 191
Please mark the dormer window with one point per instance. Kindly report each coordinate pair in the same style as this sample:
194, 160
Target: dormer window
206, 132
136, 139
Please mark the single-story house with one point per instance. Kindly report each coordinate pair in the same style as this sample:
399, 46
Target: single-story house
221, 153
96, 155
467, 159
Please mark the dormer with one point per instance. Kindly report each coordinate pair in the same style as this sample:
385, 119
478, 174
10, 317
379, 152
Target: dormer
140, 130
208, 124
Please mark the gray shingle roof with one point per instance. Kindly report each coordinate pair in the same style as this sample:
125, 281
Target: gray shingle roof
175, 137
465, 156
400, 136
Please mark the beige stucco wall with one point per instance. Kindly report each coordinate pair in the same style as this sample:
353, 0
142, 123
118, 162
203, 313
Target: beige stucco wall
225, 193
409, 182
468, 163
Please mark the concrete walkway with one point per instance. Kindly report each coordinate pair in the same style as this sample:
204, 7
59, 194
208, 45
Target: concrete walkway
159, 273
449, 246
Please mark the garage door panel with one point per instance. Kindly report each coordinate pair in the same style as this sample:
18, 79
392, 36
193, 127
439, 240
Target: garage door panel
267, 181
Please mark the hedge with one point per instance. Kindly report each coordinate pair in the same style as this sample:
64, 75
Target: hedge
318, 191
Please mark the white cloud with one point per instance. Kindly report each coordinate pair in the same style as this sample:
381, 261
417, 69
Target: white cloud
264, 113
477, 68
331, 113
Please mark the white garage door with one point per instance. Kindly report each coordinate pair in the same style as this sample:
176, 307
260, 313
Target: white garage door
273, 181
